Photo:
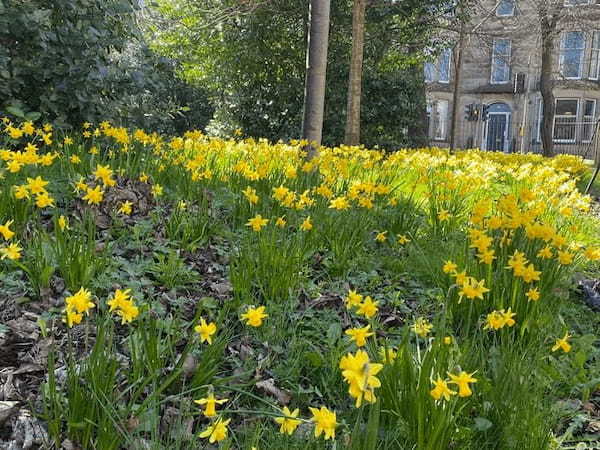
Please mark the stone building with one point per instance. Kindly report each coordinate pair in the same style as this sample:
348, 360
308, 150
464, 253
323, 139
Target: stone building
499, 100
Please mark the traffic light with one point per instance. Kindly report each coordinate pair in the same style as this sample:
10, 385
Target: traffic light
469, 111
484, 113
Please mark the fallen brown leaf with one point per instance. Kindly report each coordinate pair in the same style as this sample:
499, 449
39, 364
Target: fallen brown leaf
269, 387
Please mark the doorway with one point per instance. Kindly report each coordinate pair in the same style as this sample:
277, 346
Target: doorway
497, 128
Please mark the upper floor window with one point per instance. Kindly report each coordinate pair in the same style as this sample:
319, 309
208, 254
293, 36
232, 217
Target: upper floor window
571, 54
578, 2
506, 8
440, 69
501, 61
595, 57
429, 72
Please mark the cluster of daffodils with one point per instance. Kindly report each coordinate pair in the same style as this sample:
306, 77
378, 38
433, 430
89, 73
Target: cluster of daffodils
258, 222
80, 304
217, 431
323, 419
499, 319
34, 188
10, 250
123, 304
32, 156
525, 234
365, 307
360, 374
357, 369
521, 269
29, 156
470, 287
463, 381
76, 306
382, 236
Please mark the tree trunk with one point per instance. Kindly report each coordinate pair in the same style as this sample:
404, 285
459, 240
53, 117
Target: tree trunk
355, 79
418, 133
316, 70
458, 56
546, 89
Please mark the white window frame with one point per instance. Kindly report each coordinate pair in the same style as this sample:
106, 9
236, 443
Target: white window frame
512, 12
429, 70
556, 116
578, 2
447, 53
588, 120
594, 73
563, 50
434, 68
438, 119
505, 58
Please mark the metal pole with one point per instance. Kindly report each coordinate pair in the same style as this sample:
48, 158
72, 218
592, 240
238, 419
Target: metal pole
596, 157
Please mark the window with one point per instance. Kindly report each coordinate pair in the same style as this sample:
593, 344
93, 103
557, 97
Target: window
440, 70
429, 72
571, 54
565, 119
437, 118
506, 8
444, 66
595, 57
589, 115
578, 2
501, 61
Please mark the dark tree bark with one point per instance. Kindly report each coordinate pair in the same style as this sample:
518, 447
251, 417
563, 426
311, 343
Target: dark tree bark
546, 87
352, 136
418, 131
457, 59
316, 71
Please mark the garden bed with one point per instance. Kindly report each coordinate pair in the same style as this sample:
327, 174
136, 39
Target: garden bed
179, 292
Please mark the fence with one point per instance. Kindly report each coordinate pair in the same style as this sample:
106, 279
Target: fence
574, 138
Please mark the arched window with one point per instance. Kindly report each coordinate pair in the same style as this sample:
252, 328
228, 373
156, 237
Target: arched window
499, 108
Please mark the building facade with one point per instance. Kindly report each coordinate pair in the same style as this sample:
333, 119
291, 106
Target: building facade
498, 94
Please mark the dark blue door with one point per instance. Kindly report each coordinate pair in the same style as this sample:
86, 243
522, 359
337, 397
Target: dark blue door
496, 137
